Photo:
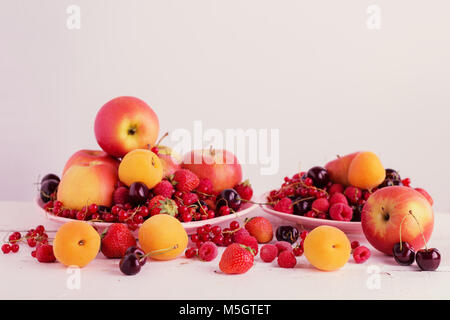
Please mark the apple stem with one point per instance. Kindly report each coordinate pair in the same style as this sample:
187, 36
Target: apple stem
161, 139
420, 229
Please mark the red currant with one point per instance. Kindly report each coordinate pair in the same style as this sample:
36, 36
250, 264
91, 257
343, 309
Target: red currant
6, 248
31, 242
40, 229
115, 210
190, 253
216, 230
15, 247
354, 244
234, 225
195, 238
224, 211
297, 251
303, 235
93, 208
81, 215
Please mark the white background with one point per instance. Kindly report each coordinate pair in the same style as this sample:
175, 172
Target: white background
310, 68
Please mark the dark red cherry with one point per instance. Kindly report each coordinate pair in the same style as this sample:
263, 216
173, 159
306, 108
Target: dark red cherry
404, 254
428, 259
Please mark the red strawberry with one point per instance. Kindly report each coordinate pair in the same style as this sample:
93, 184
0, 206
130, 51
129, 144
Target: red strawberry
44, 253
251, 242
185, 180
260, 228
121, 195
236, 259
164, 188
244, 189
116, 240
161, 204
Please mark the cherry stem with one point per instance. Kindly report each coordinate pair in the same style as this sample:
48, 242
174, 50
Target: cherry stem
420, 229
400, 232
158, 252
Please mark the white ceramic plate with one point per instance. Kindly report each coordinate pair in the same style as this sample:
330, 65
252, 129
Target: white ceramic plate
190, 227
310, 223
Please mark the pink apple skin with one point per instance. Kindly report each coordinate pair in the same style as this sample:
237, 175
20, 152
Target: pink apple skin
219, 166
88, 156
124, 124
169, 164
426, 195
87, 183
383, 212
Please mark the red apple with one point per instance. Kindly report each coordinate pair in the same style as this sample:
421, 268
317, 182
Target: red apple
220, 166
124, 124
425, 194
88, 156
384, 211
170, 160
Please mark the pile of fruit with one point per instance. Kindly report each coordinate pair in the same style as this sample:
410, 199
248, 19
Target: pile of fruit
134, 177
337, 191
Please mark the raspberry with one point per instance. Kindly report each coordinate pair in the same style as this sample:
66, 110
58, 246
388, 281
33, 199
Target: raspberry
286, 259
320, 205
268, 252
353, 194
361, 254
44, 253
284, 205
244, 189
251, 242
208, 251
164, 188
121, 195
239, 235
338, 198
336, 188
354, 244
283, 246
189, 199
341, 212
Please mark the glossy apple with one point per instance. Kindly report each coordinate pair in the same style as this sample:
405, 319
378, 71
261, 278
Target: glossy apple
384, 211
170, 160
88, 156
124, 124
87, 183
220, 166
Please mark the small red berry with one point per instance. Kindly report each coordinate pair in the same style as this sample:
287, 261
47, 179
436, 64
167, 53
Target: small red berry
93, 208
298, 251
6, 248
224, 211
354, 244
216, 230
40, 229
190, 253
303, 235
361, 254
31, 242
234, 225
286, 259
15, 247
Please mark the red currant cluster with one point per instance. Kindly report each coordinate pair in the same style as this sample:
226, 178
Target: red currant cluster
298, 249
212, 233
33, 238
135, 204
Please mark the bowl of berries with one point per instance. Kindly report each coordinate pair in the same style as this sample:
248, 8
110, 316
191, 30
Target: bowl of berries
324, 195
184, 196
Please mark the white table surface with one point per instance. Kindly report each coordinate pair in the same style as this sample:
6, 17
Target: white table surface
23, 277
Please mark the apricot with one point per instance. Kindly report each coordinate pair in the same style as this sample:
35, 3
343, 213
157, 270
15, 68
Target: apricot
76, 244
327, 248
87, 183
141, 165
366, 171
338, 168
163, 236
